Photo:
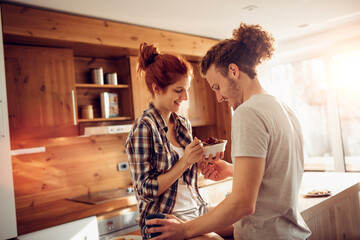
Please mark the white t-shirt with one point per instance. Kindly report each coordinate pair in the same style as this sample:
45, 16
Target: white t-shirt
185, 197
266, 128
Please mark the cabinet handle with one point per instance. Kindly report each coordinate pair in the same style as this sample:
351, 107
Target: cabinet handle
73, 103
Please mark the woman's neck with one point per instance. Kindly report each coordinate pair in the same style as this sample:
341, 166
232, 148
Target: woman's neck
164, 113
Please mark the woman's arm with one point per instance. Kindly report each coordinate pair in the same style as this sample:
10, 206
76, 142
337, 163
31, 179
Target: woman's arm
138, 148
193, 153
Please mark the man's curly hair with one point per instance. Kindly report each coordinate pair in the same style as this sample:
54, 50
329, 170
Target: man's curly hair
249, 46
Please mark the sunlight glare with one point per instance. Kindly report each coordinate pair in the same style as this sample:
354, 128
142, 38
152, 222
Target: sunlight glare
347, 72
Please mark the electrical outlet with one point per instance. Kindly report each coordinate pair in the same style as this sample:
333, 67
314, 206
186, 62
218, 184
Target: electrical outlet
123, 166
119, 128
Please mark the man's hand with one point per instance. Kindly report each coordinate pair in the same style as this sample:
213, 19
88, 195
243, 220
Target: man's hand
218, 156
216, 170
171, 228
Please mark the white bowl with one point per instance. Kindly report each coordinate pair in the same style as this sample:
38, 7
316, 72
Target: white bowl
213, 149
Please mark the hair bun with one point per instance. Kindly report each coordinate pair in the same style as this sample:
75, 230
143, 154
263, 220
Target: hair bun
147, 55
256, 40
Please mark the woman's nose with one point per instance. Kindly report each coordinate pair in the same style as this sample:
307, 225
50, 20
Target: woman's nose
185, 95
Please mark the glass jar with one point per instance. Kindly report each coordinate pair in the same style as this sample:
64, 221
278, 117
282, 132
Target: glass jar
87, 112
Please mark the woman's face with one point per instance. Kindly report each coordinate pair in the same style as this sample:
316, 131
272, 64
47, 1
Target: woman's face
171, 98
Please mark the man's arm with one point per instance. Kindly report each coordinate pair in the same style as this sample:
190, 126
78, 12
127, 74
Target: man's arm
247, 177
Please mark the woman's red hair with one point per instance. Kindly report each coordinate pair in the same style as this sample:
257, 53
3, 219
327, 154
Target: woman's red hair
161, 69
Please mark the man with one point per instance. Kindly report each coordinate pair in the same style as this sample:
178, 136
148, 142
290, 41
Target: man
267, 149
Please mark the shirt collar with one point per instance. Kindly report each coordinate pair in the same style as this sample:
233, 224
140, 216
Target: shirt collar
178, 120
160, 120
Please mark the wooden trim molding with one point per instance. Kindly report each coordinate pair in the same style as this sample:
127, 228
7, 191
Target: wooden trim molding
31, 23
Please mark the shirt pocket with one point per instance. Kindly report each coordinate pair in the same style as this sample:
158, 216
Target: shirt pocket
162, 158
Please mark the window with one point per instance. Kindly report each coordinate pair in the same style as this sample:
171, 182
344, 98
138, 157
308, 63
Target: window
324, 93
302, 85
347, 83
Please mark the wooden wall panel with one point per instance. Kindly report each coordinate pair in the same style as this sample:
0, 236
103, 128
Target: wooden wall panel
68, 168
33, 23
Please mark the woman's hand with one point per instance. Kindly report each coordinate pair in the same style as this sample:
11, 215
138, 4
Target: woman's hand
216, 170
193, 152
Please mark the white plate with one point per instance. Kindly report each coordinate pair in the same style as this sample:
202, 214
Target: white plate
318, 193
128, 237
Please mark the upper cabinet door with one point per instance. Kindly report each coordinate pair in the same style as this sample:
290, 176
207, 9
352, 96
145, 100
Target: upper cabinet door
140, 93
200, 108
40, 89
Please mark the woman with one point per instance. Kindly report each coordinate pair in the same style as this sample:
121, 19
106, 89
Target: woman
161, 150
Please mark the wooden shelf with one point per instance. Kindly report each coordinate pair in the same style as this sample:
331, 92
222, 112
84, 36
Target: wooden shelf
91, 85
105, 119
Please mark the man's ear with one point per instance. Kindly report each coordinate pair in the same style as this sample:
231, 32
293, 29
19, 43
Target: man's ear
155, 88
233, 70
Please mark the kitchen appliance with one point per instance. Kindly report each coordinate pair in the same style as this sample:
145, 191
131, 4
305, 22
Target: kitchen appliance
81, 229
117, 223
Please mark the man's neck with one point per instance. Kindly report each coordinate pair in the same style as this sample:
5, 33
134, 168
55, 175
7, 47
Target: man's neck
254, 88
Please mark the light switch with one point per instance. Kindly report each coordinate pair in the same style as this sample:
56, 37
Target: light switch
123, 166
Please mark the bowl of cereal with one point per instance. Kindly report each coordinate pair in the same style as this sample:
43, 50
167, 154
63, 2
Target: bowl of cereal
213, 145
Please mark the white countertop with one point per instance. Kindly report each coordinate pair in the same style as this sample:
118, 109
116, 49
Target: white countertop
341, 186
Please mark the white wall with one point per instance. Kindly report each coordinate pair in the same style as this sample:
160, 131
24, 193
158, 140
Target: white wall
335, 40
7, 202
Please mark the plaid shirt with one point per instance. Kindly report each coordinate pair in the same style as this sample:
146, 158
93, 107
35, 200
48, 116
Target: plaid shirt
150, 155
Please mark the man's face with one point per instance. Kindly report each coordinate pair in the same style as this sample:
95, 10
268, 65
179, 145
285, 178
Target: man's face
225, 88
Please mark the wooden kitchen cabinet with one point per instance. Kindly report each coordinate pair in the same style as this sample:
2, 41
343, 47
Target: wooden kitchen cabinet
334, 217
47, 87
140, 92
55, 52
113, 46
40, 86
88, 93
200, 108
